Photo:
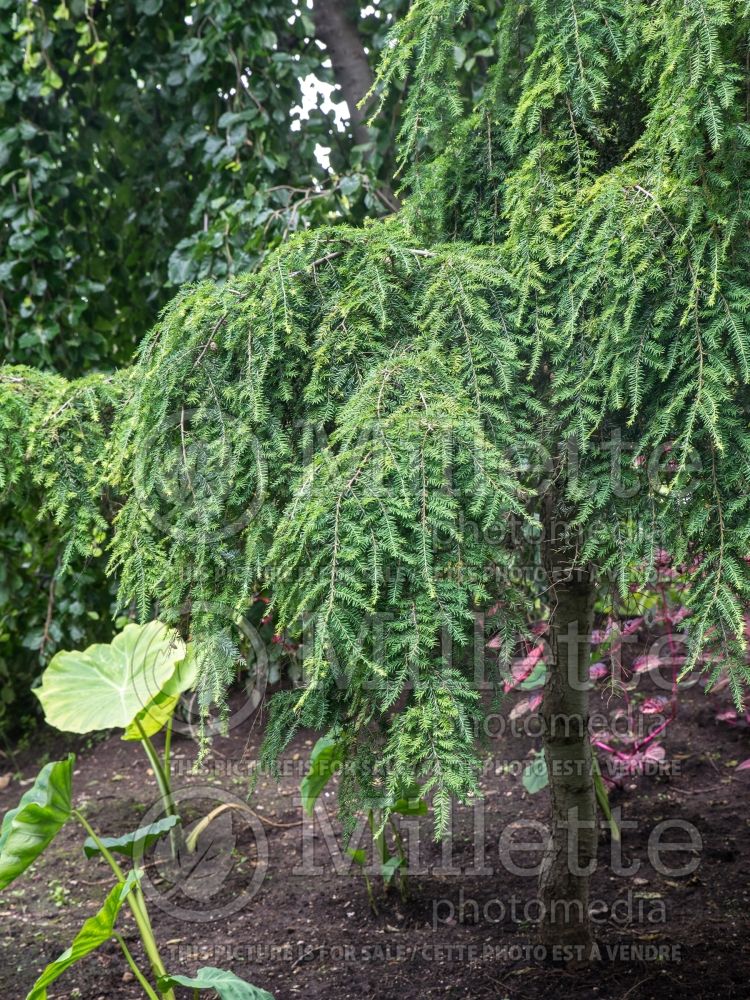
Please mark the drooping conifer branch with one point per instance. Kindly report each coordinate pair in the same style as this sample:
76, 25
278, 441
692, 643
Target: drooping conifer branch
353, 427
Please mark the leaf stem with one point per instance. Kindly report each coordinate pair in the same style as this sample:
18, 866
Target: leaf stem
137, 905
162, 779
147, 989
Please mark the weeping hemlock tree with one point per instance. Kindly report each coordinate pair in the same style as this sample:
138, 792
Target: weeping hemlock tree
358, 426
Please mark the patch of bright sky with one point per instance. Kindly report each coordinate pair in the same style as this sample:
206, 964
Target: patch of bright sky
316, 93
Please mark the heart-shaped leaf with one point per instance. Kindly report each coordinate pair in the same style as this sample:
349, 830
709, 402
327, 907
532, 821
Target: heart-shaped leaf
107, 685
36, 820
159, 710
226, 984
95, 931
134, 843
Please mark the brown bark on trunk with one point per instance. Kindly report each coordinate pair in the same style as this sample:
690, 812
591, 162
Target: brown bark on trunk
351, 67
353, 74
571, 850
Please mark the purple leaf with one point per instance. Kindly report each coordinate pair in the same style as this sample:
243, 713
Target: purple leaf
729, 716
530, 704
522, 668
654, 706
642, 664
632, 626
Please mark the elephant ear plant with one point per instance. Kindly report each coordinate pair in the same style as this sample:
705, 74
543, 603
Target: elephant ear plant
29, 829
133, 683
504, 400
327, 757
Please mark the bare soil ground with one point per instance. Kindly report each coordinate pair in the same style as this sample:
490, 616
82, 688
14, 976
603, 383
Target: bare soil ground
299, 924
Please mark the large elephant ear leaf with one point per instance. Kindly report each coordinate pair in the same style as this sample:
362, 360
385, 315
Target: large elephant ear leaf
226, 984
95, 931
108, 684
36, 820
159, 710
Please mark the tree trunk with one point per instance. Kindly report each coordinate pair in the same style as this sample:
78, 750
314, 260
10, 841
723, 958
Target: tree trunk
351, 67
571, 850
335, 28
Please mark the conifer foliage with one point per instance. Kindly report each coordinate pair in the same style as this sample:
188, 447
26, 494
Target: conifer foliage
357, 426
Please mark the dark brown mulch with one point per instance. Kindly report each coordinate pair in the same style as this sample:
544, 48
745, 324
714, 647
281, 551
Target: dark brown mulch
465, 931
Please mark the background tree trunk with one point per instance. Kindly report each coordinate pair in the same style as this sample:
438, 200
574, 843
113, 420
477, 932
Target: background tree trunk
351, 67
571, 851
337, 30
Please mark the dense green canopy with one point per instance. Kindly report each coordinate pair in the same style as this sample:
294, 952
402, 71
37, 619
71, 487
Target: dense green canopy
355, 426
147, 143
143, 144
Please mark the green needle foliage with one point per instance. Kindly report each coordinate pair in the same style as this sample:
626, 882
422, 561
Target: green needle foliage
143, 144
357, 426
